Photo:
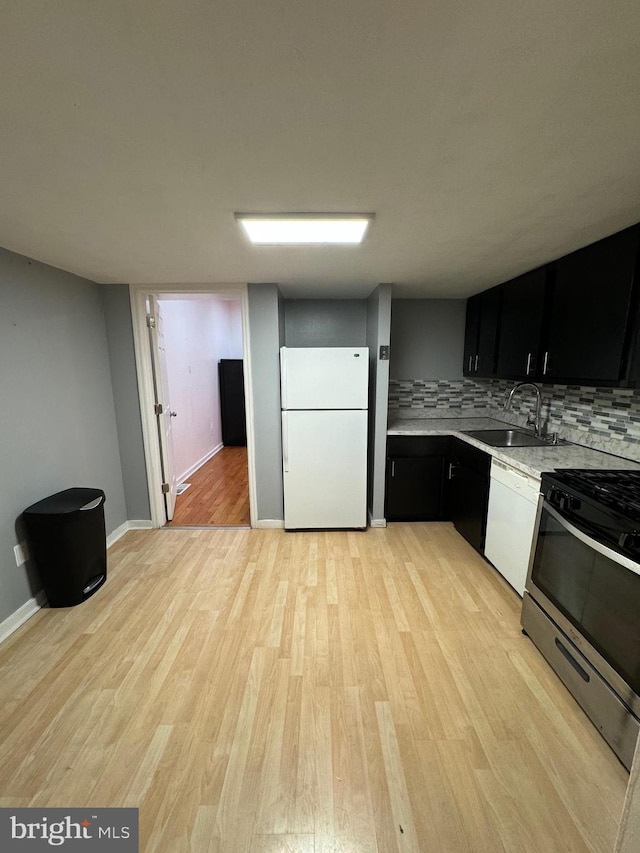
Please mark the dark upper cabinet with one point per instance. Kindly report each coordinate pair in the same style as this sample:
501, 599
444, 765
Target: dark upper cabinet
591, 298
521, 319
634, 359
481, 333
574, 320
472, 325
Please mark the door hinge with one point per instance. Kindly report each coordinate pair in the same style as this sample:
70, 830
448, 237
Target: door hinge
165, 488
157, 408
151, 321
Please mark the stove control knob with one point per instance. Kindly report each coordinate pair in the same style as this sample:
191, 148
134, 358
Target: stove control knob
630, 541
563, 500
555, 497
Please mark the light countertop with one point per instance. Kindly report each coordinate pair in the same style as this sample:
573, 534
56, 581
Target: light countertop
530, 460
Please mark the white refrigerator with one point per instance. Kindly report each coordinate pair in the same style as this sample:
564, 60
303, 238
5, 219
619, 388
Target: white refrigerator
324, 397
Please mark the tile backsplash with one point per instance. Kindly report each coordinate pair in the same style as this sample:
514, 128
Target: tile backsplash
431, 394
602, 418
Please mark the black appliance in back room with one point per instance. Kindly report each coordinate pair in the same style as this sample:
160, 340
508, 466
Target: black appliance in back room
232, 410
581, 607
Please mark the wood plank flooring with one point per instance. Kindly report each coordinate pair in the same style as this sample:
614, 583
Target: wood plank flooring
219, 492
256, 691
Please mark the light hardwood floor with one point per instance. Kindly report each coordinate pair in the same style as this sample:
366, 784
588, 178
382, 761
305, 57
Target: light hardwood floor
256, 691
218, 494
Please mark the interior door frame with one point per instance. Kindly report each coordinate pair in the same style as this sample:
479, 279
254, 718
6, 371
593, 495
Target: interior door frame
162, 395
139, 294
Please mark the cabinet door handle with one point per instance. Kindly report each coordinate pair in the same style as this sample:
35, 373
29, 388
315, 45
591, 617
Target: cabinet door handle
545, 364
450, 473
476, 365
470, 360
393, 467
528, 364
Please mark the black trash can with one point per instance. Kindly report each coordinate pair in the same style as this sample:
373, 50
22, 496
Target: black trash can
68, 544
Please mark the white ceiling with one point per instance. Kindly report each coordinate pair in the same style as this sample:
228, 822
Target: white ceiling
488, 136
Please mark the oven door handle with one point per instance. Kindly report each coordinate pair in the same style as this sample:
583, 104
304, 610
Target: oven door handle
620, 559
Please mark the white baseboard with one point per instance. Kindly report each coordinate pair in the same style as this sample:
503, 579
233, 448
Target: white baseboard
135, 524
377, 522
116, 534
140, 524
20, 616
191, 470
26, 611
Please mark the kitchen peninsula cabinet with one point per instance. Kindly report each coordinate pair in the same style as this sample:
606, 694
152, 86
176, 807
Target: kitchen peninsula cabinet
415, 470
467, 491
481, 333
521, 318
438, 478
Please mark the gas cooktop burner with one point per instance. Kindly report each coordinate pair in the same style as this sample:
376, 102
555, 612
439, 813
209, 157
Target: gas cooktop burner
619, 489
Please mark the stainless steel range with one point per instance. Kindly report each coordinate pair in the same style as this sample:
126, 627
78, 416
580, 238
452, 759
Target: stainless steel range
581, 607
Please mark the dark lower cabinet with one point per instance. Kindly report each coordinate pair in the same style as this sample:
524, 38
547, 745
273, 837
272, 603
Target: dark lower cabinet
414, 489
438, 478
415, 468
467, 491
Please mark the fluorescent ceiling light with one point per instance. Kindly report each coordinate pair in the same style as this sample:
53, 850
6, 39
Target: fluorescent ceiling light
299, 228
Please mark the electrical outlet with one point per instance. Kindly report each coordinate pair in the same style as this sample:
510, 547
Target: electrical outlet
21, 553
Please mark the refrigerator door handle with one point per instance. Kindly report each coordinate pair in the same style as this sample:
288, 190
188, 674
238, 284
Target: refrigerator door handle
283, 379
285, 442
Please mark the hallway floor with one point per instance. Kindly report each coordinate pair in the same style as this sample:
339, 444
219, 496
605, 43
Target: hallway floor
219, 493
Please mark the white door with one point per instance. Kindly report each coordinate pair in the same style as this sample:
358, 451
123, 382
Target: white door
165, 414
324, 377
325, 469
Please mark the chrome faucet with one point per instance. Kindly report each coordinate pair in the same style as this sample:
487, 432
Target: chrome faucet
536, 418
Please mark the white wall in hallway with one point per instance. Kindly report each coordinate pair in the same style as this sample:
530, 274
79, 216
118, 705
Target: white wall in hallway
234, 310
198, 331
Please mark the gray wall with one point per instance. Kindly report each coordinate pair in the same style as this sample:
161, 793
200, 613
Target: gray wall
427, 338
117, 311
58, 425
264, 322
378, 334
325, 322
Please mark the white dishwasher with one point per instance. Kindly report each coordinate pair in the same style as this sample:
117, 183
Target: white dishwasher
513, 503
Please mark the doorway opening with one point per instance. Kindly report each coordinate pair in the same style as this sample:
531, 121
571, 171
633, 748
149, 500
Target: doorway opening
217, 493
192, 354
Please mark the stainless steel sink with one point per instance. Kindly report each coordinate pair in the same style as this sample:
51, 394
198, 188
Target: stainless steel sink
507, 437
